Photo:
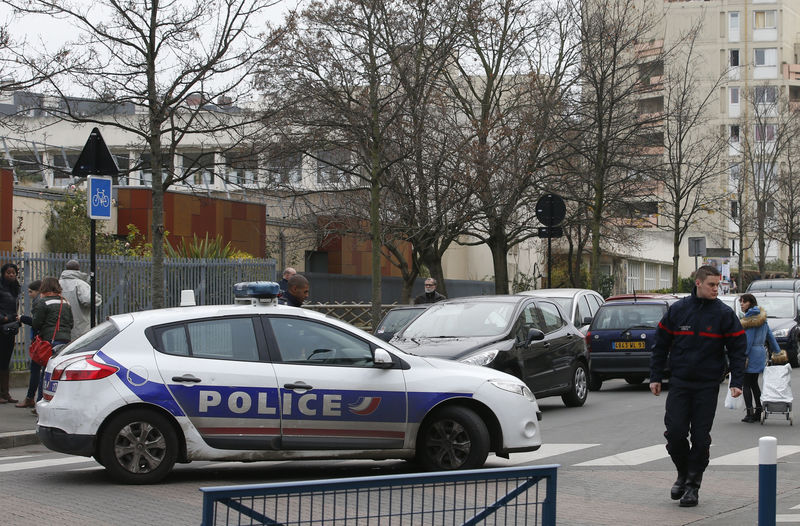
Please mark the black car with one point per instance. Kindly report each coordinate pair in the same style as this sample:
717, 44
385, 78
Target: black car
621, 337
525, 336
783, 317
397, 319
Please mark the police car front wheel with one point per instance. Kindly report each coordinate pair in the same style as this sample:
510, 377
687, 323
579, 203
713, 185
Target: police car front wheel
138, 447
453, 438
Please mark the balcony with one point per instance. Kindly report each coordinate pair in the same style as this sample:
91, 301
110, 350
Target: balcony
791, 71
652, 48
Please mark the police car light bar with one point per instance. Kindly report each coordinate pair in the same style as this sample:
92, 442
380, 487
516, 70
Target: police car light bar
255, 292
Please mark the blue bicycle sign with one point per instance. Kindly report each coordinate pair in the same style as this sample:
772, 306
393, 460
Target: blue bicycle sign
99, 197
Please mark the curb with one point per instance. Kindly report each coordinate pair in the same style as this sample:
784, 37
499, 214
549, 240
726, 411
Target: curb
18, 438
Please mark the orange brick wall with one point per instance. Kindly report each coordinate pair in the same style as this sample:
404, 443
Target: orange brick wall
241, 224
6, 208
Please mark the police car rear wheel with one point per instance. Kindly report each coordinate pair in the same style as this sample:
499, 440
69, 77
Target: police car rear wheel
138, 447
453, 438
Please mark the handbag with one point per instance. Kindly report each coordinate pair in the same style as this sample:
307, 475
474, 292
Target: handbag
10, 329
780, 358
42, 350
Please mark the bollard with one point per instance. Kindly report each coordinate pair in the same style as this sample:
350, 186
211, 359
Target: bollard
767, 480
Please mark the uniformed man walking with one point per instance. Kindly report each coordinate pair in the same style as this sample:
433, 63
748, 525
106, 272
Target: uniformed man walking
692, 338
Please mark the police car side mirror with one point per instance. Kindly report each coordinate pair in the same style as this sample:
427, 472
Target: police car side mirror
587, 320
382, 359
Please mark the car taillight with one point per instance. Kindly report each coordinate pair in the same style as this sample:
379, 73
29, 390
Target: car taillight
588, 339
82, 368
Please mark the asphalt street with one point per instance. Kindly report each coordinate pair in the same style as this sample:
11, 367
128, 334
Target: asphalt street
614, 470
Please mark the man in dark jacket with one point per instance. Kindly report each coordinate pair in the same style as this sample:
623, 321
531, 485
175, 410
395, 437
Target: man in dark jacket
430, 295
297, 293
694, 335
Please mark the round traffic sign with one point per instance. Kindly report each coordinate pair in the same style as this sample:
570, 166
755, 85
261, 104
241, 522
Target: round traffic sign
550, 209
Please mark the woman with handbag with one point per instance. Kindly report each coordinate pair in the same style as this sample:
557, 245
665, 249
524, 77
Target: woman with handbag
51, 314
758, 334
35, 368
9, 301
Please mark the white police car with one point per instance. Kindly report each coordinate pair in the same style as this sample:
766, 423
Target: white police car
260, 381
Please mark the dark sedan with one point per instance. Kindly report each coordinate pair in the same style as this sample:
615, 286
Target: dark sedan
783, 317
525, 336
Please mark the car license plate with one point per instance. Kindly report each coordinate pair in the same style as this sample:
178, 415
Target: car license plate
626, 346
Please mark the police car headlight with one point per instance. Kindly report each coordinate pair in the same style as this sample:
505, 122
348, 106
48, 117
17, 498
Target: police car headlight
481, 358
513, 387
781, 333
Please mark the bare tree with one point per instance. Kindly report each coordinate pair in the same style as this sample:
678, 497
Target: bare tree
509, 83
765, 133
693, 154
614, 143
787, 201
335, 72
172, 59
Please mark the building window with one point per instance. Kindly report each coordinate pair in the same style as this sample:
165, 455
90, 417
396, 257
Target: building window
734, 209
765, 132
634, 276
733, 26
734, 136
765, 19
734, 95
332, 167
765, 94
734, 58
766, 56
286, 169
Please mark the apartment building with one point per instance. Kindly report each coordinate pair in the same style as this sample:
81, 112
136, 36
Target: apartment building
753, 48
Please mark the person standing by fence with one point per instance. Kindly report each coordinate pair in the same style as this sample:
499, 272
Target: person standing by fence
35, 368
9, 301
78, 292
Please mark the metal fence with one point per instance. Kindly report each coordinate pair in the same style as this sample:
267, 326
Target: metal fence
513, 496
125, 282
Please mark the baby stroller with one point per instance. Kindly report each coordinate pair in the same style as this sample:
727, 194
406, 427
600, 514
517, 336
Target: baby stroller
776, 394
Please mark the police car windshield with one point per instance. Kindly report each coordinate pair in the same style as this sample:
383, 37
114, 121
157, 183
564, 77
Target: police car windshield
632, 315
462, 320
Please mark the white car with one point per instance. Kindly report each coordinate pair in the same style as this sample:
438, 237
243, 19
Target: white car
580, 304
259, 381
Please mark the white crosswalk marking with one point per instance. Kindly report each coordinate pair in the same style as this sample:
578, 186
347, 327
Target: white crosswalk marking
630, 458
749, 457
547, 450
793, 519
35, 464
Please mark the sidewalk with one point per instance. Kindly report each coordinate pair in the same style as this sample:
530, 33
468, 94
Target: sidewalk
17, 426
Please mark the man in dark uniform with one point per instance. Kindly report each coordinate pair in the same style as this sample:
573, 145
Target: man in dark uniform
693, 336
431, 295
297, 293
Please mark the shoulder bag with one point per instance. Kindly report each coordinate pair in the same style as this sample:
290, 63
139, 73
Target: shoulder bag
41, 350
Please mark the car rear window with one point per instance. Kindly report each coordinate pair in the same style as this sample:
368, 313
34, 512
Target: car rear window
628, 316
93, 340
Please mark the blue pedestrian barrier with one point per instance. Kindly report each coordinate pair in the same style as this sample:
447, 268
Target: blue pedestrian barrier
513, 496
767, 480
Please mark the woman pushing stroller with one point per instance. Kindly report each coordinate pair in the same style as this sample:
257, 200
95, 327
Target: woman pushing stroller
758, 335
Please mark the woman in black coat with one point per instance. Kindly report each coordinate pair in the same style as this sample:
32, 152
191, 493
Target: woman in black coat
9, 301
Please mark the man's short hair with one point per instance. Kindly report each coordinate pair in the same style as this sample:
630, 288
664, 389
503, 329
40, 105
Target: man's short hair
705, 271
289, 270
297, 281
73, 264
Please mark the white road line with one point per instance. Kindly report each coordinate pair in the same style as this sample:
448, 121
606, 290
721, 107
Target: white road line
4, 459
749, 457
547, 450
794, 519
35, 464
795, 507
630, 458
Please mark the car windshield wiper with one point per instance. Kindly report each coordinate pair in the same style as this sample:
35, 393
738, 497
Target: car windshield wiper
638, 327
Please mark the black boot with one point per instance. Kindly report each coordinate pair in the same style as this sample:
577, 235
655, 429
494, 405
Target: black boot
679, 487
749, 418
757, 415
690, 496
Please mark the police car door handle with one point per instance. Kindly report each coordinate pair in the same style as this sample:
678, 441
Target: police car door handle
186, 378
297, 385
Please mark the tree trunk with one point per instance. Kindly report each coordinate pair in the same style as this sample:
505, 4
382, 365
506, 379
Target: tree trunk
375, 235
497, 245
